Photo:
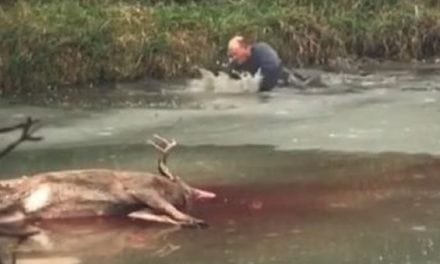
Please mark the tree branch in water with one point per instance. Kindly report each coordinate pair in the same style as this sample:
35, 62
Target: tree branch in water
27, 129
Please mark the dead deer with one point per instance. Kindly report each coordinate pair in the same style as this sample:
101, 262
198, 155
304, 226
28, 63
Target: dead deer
100, 192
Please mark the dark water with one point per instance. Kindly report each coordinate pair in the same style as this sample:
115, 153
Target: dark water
272, 207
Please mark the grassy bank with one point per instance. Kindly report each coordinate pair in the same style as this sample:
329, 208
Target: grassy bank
52, 43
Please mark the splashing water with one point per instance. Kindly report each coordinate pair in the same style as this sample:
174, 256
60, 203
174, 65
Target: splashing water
222, 83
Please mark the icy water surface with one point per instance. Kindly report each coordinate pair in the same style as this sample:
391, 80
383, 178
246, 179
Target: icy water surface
350, 174
272, 207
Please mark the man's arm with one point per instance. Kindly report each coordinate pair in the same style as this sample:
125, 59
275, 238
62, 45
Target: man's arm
230, 68
271, 75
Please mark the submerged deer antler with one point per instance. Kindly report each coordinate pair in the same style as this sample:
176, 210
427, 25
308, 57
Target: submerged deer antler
28, 128
164, 146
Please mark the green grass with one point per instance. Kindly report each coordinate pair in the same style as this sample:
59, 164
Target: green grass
54, 43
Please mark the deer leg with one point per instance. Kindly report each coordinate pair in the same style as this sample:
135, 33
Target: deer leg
18, 230
12, 217
161, 206
149, 215
12, 223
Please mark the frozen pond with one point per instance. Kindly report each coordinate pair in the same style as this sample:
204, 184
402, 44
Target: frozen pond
346, 174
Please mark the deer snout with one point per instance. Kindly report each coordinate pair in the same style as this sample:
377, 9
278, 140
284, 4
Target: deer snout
199, 194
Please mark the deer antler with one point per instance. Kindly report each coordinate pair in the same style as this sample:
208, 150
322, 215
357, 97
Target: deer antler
164, 146
28, 128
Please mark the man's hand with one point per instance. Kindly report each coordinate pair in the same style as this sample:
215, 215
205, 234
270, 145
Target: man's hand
229, 68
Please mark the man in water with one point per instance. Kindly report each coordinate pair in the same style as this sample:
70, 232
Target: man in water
260, 56
244, 56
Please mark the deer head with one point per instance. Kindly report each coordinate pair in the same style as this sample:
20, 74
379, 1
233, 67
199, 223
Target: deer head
164, 146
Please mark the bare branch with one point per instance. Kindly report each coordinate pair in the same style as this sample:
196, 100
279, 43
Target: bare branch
27, 129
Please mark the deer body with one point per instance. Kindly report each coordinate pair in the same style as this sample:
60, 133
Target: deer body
100, 192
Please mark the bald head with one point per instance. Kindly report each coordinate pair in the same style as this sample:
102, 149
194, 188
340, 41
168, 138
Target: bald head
238, 50
235, 42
